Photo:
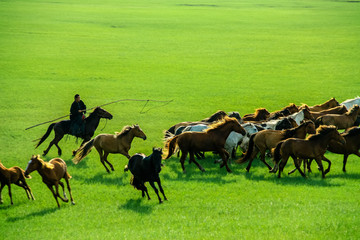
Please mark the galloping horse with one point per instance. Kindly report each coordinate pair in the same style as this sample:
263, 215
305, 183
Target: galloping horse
146, 169
51, 172
326, 105
14, 175
268, 139
341, 121
63, 127
174, 129
109, 143
212, 139
260, 114
351, 102
335, 110
313, 147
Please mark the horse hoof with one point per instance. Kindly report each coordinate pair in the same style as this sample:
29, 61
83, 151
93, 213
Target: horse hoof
203, 170
72, 202
160, 202
184, 172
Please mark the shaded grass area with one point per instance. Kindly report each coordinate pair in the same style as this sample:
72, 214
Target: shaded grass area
207, 56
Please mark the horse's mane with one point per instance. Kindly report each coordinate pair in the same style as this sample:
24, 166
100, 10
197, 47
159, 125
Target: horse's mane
304, 106
219, 124
353, 131
124, 131
43, 163
321, 131
259, 111
288, 133
291, 105
352, 110
215, 116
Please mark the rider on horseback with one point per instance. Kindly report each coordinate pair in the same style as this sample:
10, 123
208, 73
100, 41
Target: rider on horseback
77, 110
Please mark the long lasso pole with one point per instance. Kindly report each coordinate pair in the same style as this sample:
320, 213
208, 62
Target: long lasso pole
121, 100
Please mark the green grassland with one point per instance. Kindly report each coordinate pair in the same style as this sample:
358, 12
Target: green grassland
206, 56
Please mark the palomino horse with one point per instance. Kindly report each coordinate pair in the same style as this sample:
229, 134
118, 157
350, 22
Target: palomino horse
313, 147
14, 175
341, 121
260, 114
146, 169
174, 129
109, 143
268, 139
51, 172
335, 110
212, 139
63, 127
326, 105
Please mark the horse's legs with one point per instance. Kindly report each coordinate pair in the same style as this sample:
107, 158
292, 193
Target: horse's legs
54, 194
262, 158
297, 163
20, 184
145, 190
69, 189
192, 159
161, 189
1, 188
57, 191
224, 155
28, 189
182, 159
252, 156
106, 154
282, 164
10, 195
321, 168
327, 160
57, 138
344, 162
63, 188
309, 161
100, 151
156, 191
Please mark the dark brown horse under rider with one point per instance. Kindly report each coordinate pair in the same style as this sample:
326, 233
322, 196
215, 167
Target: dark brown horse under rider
77, 110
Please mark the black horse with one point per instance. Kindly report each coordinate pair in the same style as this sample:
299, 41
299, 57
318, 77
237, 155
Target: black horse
63, 127
146, 169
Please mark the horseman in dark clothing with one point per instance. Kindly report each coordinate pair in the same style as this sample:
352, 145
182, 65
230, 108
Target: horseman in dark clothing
77, 110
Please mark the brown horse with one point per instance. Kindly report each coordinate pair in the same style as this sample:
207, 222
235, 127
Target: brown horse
313, 147
212, 139
341, 121
352, 146
326, 105
14, 175
51, 172
174, 130
268, 139
260, 114
286, 111
335, 110
109, 143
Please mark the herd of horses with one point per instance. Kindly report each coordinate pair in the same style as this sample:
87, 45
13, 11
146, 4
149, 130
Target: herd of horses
303, 133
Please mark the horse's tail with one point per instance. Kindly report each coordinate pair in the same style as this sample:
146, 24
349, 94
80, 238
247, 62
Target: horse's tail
169, 147
83, 151
136, 183
277, 156
46, 135
169, 132
68, 175
249, 151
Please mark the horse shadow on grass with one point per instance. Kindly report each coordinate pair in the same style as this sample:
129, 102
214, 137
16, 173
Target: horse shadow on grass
136, 205
40, 213
213, 173
103, 178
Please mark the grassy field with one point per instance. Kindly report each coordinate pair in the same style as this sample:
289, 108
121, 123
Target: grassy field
206, 56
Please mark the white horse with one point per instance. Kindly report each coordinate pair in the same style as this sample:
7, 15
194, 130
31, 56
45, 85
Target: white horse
351, 102
300, 116
276, 124
195, 128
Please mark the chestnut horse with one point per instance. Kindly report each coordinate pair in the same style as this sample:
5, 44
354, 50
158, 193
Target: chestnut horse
352, 146
326, 105
52, 172
268, 139
214, 117
109, 143
260, 114
313, 147
335, 110
290, 109
212, 139
14, 175
341, 121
